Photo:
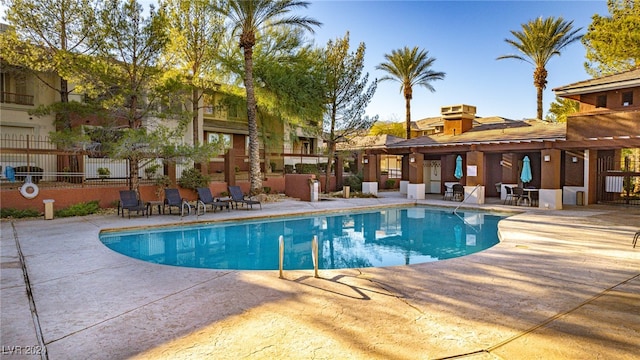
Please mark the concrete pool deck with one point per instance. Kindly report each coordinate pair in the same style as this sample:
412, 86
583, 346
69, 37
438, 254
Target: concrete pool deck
560, 285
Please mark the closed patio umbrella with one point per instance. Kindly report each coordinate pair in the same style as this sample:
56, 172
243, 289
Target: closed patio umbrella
526, 170
458, 172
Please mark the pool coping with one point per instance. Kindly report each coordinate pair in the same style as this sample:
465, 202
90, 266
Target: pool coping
87, 299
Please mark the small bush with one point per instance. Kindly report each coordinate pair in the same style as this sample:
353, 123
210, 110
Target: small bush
306, 168
18, 214
288, 169
390, 183
266, 189
354, 181
192, 178
80, 209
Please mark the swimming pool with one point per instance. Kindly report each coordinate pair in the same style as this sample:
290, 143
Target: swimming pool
382, 237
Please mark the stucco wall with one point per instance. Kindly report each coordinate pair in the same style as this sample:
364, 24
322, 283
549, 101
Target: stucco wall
109, 196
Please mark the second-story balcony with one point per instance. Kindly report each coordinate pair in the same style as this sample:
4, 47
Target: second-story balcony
13, 98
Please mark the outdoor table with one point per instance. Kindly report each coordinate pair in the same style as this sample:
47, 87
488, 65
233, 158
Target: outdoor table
151, 204
526, 195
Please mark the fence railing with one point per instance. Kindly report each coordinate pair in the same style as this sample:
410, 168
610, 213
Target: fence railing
36, 156
12, 98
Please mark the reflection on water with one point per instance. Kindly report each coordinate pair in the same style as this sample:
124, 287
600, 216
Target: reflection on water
364, 239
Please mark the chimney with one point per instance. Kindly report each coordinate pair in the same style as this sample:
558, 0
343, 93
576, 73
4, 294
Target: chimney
457, 118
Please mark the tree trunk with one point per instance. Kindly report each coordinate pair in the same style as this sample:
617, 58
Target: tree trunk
407, 106
255, 177
332, 151
194, 108
540, 82
539, 103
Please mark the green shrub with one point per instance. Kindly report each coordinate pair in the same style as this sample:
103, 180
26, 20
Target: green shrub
17, 214
354, 182
306, 168
390, 183
103, 172
288, 169
150, 171
267, 189
80, 209
192, 178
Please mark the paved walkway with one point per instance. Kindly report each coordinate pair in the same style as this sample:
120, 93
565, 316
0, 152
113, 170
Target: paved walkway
560, 285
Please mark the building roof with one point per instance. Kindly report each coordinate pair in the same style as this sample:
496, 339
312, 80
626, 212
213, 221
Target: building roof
369, 142
507, 131
623, 80
433, 122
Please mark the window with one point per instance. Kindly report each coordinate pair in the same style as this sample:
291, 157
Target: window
223, 139
601, 101
627, 98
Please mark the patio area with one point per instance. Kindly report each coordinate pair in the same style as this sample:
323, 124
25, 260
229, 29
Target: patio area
561, 284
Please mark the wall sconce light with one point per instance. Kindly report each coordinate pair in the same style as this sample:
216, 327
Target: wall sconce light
501, 162
574, 159
547, 158
412, 160
365, 161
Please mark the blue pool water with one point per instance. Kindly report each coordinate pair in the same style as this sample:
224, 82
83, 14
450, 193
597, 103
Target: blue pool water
388, 237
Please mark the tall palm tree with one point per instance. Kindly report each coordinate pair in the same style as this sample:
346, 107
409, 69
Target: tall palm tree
539, 40
410, 67
248, 18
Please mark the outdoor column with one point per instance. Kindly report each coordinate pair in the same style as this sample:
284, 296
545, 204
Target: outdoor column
370, 174
357, 165
229, 168
416, 187
550, 191
404, 180
338, 170
475, 176
172, 173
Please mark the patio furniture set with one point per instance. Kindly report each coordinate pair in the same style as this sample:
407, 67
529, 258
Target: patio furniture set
129, 201
517, 194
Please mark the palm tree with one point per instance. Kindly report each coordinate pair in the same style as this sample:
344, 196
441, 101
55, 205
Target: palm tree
410, 67
248, 18
539, 40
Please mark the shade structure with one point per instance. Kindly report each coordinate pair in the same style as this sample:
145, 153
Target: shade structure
458, 172
526, 170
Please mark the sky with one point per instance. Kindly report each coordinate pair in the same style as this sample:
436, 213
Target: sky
465, 38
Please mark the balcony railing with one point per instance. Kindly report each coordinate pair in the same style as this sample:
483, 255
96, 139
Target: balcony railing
20, 99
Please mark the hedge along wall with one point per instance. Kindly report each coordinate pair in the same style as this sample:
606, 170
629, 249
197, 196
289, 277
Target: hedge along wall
109, 196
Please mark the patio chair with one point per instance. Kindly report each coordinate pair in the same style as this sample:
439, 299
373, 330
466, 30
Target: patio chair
172, 198
129, 201
458, 192
518, 194
533, 195
448, 193
206, 198
238, 197
510, 197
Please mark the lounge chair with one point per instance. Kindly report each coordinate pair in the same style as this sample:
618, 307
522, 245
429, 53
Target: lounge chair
206, 198
238, 197
129, 201
172, 198
458, 192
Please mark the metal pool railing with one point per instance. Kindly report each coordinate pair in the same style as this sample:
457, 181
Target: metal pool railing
314, 255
